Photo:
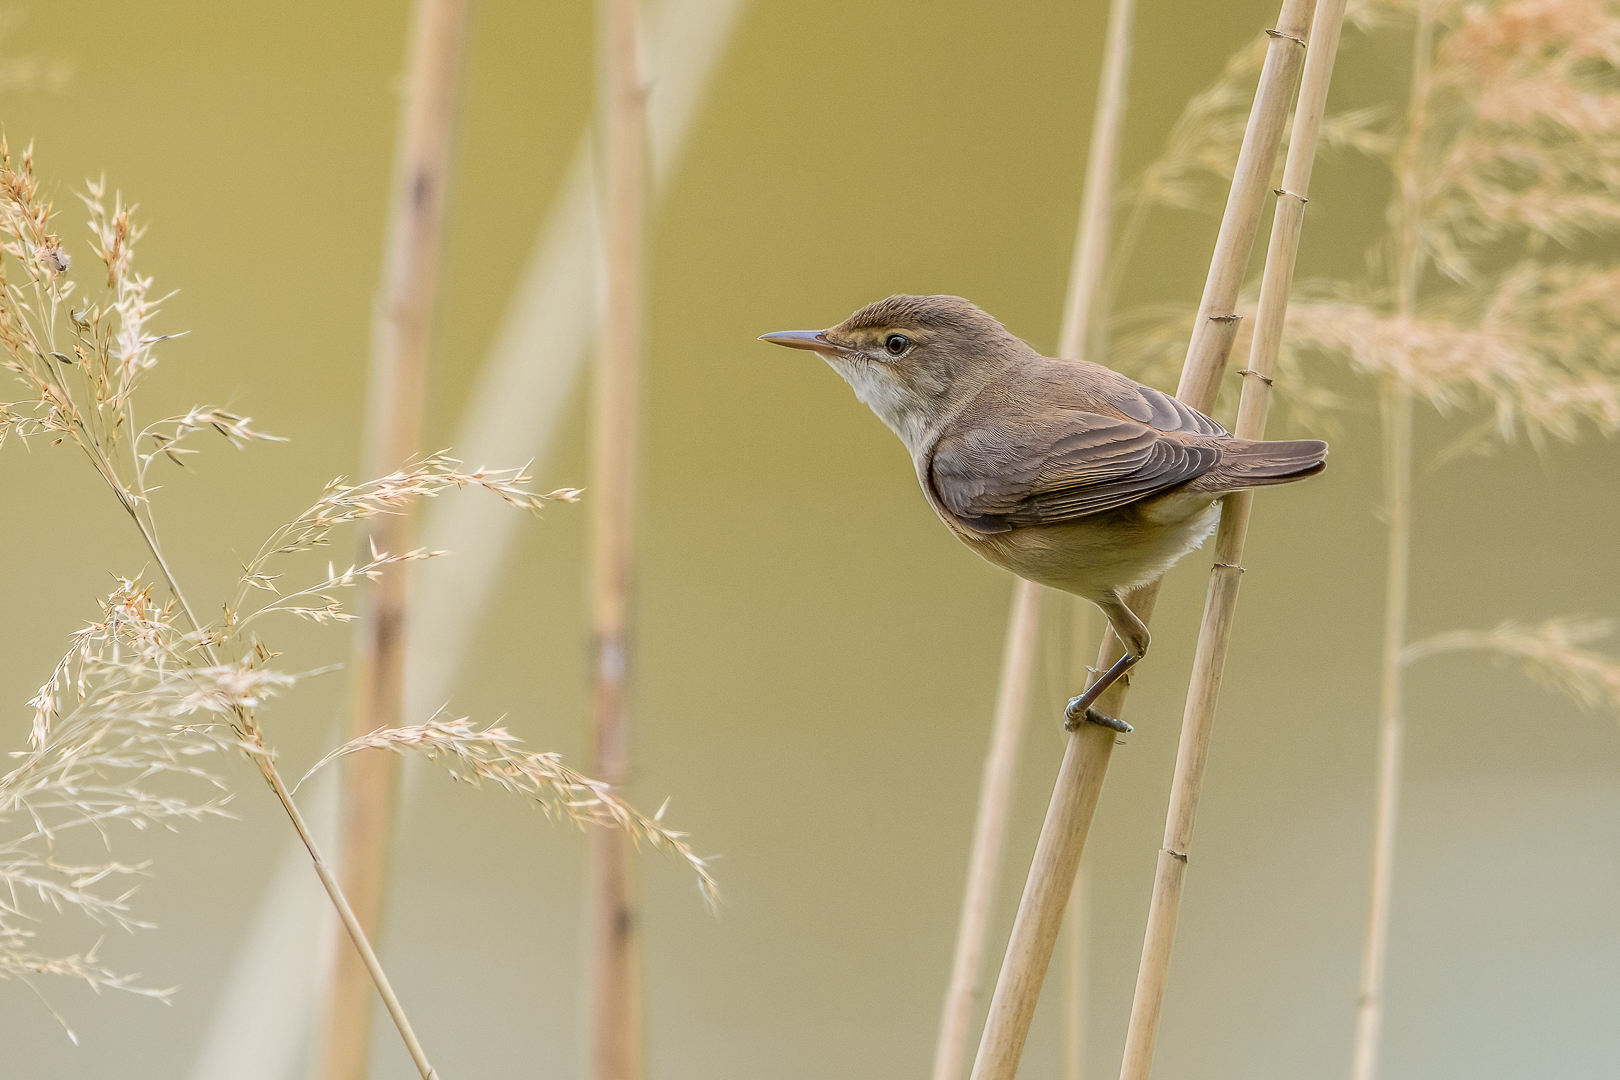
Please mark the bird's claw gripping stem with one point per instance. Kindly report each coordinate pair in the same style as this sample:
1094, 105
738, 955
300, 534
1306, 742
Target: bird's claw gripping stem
1073, 717
1080, 708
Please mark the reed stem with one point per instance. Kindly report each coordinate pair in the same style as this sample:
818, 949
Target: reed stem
351, 922
1018, 654
1081, 312
995, 794
989, 828
402, 339
1220, 604
1396, 401
248, 732
616, 1042
1397, 410
1085, 760
1077, 922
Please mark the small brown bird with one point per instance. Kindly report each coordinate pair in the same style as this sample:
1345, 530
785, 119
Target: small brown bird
1062, 471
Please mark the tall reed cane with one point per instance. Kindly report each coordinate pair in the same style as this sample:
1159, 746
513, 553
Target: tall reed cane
615, 993
1006, 729
1221, 602
1085, 760
1396, 404
394, 434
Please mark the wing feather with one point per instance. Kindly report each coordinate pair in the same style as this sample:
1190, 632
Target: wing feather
1066, 464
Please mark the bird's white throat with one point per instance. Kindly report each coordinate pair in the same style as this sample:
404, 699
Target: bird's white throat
896, 404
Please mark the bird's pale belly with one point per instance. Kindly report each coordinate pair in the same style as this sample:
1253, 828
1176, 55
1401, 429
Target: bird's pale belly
1098, 555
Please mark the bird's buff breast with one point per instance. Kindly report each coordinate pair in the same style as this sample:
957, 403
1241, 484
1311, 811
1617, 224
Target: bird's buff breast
1098, 556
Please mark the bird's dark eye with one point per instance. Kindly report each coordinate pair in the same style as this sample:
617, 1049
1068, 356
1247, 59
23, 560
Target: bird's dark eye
896, 344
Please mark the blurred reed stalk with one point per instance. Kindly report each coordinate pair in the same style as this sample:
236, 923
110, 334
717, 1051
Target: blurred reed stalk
1396, 402
989, 828
1023, 624
1085, 761
1220, 604
402, 339
1077, 922
616, 1042
1071, 667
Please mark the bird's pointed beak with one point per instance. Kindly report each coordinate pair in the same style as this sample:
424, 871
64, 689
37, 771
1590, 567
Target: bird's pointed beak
814, 340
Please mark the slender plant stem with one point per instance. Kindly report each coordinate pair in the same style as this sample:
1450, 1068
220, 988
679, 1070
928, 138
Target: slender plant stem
1397, 409
402, 339
989, 828
248, 731
1077, 919
351, 923
1082, 312
1220, 604
1085, 760
616, 1040
1216, 323
1077, 925
1018, 654
1396, 401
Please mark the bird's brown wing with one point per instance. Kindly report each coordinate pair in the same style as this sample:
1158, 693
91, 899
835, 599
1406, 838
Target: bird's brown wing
1059, 465
1155, 408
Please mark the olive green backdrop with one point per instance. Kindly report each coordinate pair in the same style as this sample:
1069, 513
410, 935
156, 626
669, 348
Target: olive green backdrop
815, 655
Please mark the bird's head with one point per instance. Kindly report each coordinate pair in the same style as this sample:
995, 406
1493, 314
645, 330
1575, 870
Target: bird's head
912, 358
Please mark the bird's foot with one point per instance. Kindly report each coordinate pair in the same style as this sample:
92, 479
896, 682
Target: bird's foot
1073, 717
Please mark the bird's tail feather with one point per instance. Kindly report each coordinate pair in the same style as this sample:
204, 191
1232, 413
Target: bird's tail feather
1259, 464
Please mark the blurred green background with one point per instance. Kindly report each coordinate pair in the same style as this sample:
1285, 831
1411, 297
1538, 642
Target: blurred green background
815, 656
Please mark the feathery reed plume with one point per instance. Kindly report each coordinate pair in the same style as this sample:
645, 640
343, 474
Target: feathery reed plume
1023, 623
1220, 604
401, 341
157, 669
1085, 760
475, 756
112, 726
1549, 652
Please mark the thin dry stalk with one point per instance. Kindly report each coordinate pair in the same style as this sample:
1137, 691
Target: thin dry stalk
402, 339
1076, 971
1216, 323
1083, 310
616, 1036
1085, 761
1220, 605
1396, 400
1018, 654
1397, 409
1077, 919
989, 828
